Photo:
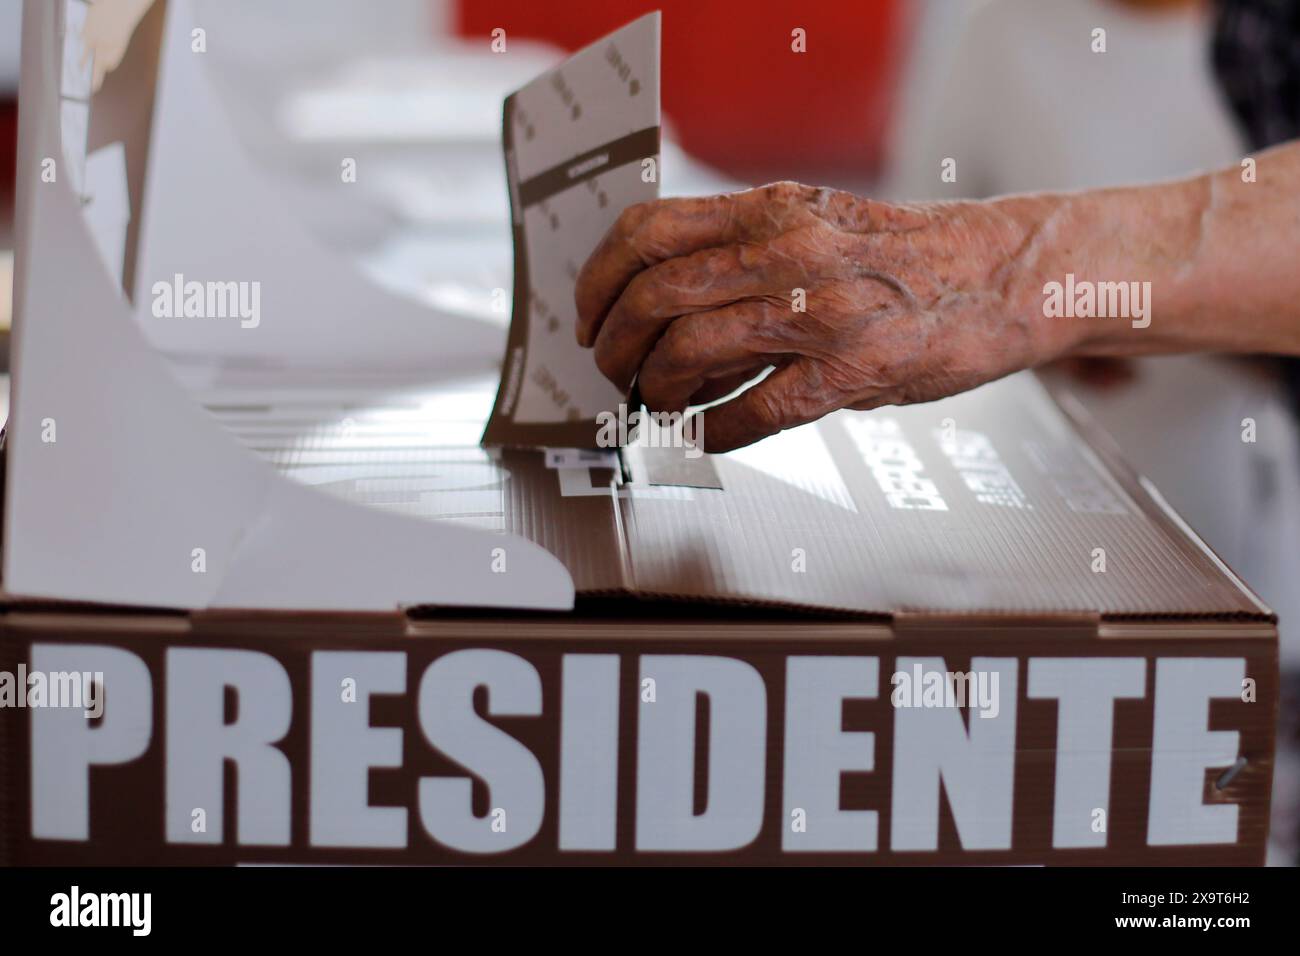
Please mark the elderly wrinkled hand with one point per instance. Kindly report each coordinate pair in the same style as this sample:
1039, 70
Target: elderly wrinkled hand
853, 303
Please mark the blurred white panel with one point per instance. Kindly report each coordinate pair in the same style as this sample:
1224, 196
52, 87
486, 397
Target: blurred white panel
455, 272
108, 212
449, 93
289, 32
75, 119
6, 292
77, 75
1019, 99
11, 12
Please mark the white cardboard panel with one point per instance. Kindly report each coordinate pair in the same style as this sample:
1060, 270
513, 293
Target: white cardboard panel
218, 219
139, 476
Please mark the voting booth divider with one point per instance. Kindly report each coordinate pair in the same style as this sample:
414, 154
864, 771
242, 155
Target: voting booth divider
237, 630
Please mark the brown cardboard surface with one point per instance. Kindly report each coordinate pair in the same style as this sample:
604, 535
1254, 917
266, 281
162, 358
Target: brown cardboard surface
989, 502
1001, 578
572, 663
981, 534
998, 500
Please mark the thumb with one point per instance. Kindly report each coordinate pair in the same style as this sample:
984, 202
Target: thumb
794, 394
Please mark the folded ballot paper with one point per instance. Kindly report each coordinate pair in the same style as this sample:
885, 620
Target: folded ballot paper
581, 144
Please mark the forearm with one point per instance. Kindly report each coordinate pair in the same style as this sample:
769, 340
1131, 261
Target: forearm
858, 303
1221, 256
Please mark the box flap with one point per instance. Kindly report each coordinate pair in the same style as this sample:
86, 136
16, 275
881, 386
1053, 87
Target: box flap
989, 502
993, 502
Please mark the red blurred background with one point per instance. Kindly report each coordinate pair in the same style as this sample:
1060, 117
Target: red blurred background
736, 94
787, 114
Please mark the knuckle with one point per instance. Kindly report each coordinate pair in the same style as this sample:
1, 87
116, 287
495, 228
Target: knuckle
658, 291
631, 218
641, 297
607, 360
766, 408
584, 290
787, 191
681, 345
650, 383
636, 224
656, 391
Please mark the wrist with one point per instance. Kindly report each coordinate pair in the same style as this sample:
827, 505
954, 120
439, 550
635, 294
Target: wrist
1106, 270
1043, 260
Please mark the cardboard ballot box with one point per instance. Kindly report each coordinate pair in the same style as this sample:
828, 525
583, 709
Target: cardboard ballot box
258, 612
1011, 653
701, 739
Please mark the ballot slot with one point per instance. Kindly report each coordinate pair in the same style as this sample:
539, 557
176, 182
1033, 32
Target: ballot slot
667, 466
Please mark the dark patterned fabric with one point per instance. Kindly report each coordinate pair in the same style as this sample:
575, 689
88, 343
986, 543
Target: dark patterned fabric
1256, 55
1257, 61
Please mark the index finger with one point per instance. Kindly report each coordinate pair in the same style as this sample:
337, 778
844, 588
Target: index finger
644, 235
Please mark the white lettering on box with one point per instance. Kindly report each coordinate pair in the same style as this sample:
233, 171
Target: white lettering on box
894, 464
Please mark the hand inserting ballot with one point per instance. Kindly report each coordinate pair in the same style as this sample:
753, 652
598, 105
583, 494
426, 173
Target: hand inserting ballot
855, 303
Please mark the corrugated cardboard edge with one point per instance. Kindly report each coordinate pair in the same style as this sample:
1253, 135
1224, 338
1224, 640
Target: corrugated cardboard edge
1139, 488
1143, 491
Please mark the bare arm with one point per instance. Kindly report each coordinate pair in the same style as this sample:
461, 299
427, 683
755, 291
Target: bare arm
860, 304
1222, 255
